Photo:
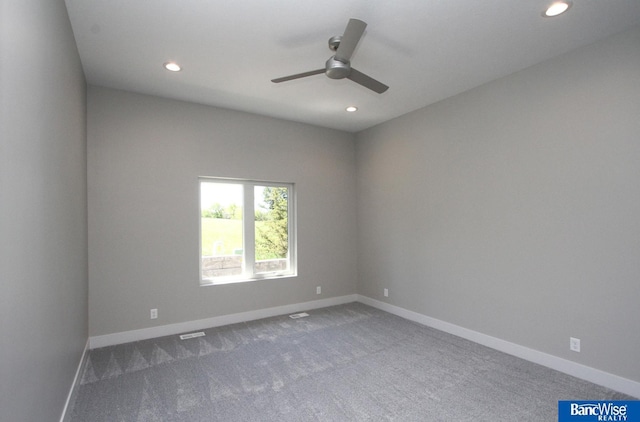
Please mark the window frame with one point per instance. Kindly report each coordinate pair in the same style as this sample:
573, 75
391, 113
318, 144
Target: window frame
248, 232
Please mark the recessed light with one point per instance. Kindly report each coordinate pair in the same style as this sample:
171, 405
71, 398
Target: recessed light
172, 66
351, 109
557, 8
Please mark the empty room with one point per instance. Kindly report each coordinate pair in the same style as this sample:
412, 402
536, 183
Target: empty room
319, 211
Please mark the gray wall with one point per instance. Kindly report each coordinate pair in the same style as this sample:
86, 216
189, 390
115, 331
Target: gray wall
43, 205
144, 158
514, 209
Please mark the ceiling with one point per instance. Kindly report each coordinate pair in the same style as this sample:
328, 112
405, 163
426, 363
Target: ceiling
425, 50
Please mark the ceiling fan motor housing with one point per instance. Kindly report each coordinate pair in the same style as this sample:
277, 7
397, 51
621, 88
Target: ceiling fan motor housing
335, 69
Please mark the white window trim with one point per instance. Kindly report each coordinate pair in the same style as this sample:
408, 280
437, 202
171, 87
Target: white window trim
249, 235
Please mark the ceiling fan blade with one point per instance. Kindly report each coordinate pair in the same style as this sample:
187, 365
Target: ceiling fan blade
298, 76
350, 38
367, 81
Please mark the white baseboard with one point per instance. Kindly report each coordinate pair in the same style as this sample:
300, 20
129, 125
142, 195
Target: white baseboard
183, 327
584, 372
76, 378
577, 370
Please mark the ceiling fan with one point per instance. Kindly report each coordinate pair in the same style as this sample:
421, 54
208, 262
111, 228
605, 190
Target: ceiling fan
339, 65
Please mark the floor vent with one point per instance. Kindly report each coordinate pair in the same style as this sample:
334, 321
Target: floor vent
191, 335
300, 315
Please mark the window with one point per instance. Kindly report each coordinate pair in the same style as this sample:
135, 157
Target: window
247, 230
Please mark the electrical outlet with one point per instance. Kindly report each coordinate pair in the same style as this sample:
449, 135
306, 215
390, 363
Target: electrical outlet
154, 314
319, 290
574, 344
386, 292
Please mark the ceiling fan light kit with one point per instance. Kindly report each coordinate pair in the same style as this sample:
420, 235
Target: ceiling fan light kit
339, 65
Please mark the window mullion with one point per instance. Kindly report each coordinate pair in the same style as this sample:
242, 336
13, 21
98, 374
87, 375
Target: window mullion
248, 230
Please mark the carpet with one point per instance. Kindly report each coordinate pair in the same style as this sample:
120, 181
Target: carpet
344, 363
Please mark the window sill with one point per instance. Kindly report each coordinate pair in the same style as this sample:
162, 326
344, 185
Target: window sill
231, 280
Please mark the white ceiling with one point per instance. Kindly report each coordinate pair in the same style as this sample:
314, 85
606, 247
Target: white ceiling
425, 50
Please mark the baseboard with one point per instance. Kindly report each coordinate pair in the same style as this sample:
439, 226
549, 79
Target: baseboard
73, 390
577, 370
183, 327
584, 372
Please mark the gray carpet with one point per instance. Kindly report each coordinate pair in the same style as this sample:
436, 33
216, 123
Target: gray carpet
343, 363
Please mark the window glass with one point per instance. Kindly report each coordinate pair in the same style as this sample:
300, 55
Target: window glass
271, 228
221, 227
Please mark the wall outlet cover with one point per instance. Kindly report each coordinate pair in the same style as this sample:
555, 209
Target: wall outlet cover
574, 344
